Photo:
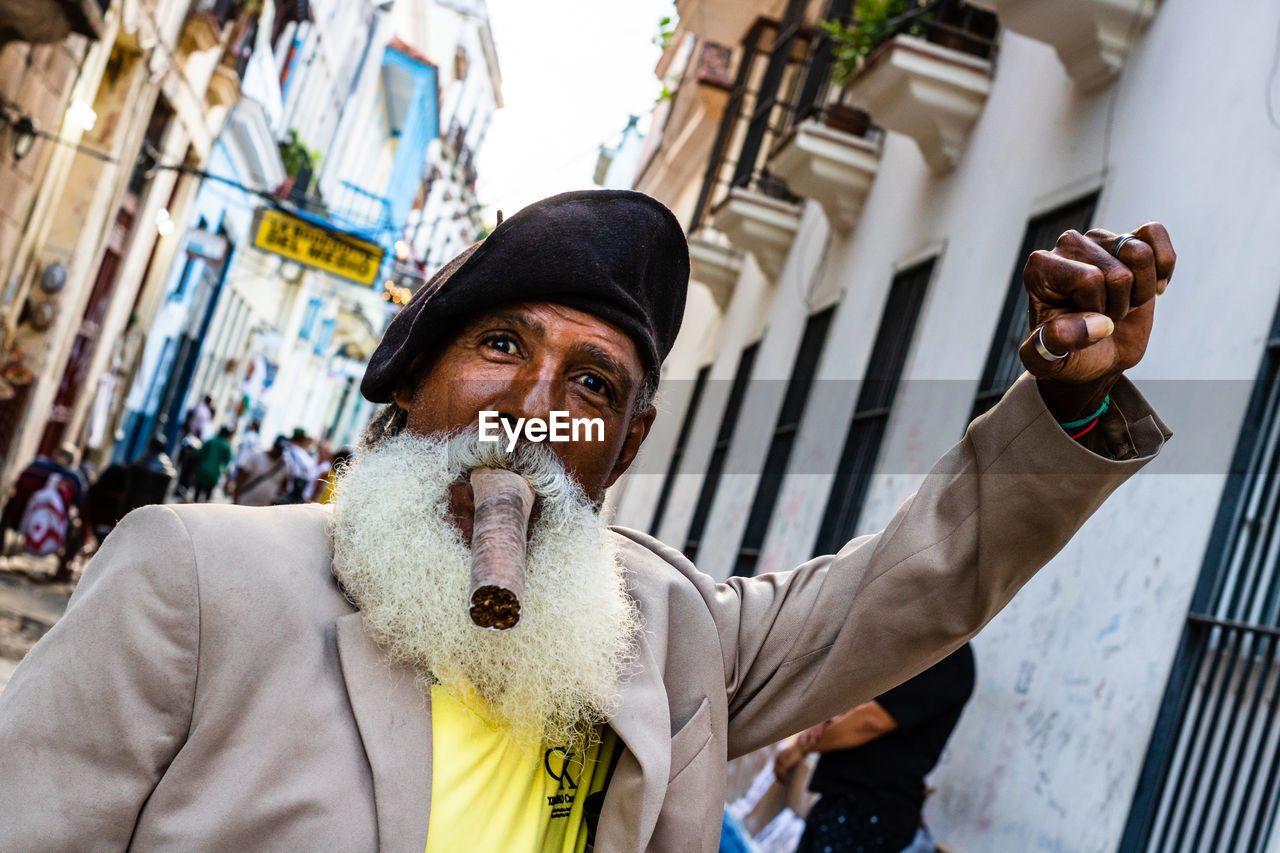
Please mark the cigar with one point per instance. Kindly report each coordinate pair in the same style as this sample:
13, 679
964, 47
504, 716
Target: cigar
503, 501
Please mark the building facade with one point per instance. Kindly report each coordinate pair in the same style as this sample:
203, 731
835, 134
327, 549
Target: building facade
328, 141
857, 301
94, 208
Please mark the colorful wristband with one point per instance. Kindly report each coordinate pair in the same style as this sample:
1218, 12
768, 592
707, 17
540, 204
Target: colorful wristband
1069, 425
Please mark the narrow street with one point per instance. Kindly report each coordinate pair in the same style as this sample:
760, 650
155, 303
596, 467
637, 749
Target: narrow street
27, 610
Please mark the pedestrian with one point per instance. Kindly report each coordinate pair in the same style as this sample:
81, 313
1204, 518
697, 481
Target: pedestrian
213, 458
308, 677
34, 477
199, 423
248, 445
150, 477
264, 477
301, 467
874, 759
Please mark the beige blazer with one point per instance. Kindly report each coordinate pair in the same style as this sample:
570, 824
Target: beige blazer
210, 689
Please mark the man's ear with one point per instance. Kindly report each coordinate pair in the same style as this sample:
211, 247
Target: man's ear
637, 430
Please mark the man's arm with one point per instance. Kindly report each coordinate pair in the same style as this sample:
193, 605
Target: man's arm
803, 646
97, 710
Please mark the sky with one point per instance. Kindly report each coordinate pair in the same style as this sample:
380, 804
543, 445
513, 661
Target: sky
572, 73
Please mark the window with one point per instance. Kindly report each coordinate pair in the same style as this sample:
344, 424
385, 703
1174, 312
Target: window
784, 436
1211, 780
677, 453
1003, 364
724, 437
875, 403
310, 315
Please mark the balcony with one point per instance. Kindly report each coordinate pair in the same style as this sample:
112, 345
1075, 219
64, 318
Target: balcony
925, 74
724, 21
1091, 37
760, 224
48, 21
716, 265
832, 164
931, 93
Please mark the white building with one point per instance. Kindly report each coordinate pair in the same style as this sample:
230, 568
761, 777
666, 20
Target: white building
455, 34
1127, 698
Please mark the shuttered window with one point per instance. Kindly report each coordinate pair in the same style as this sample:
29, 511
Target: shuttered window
875, 403
677, 453
720, 450
1211, 779
784, 436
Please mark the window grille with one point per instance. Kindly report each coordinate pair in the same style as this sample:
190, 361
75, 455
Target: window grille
677, 453
875, 403
784, 436
720, 450
1211, 779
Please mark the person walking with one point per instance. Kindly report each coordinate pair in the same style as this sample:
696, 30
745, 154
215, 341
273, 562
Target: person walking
264, 477
213, 458
870, 777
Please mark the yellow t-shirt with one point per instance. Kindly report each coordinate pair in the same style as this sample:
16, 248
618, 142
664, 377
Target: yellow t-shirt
489, 793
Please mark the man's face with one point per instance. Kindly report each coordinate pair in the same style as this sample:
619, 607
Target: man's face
525, 360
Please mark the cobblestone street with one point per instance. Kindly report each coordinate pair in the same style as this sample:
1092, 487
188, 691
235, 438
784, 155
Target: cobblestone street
28, 609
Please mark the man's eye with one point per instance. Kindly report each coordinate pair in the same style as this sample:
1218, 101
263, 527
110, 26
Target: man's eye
502, 343
595, 383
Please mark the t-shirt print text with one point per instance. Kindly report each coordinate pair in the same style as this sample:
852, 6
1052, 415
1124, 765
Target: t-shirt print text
561, 767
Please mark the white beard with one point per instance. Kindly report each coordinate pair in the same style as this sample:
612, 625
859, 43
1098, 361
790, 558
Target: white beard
556, 674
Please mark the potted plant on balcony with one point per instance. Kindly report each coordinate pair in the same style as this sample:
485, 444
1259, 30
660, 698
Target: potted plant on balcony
299, 163
948, 23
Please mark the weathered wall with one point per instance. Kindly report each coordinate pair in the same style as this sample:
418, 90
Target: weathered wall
1072, 674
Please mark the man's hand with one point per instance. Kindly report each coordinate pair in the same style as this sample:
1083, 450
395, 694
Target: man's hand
1095, 309
786, 761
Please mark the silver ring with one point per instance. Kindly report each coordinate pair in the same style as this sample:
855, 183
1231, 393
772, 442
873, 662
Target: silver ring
1044, 350
1118, 243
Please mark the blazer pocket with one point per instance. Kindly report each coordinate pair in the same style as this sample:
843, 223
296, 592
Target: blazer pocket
691, 739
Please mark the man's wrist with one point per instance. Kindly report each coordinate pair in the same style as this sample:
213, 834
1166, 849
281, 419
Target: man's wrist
1071, 403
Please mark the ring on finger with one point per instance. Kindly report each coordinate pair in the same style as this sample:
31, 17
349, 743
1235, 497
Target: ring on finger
1118, 243
1044, 350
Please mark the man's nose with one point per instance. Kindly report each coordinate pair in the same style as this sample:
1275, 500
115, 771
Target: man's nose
530, 396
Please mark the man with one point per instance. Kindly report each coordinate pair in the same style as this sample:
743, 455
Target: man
150, 476
874, 759
301, 679
302, 465
264, 476
213, 458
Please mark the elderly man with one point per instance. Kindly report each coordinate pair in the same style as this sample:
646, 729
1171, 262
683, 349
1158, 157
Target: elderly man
295, 679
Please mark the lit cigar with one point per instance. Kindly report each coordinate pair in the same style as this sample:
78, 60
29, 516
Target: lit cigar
503, 501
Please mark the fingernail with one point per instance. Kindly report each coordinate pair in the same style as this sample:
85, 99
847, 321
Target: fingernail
1099, 326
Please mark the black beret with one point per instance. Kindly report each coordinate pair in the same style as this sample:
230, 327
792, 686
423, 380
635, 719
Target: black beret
616, 254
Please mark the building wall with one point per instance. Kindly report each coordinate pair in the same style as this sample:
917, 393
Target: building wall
1072, 674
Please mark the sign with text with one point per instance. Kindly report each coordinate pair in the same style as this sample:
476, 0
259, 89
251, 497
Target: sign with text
338, 254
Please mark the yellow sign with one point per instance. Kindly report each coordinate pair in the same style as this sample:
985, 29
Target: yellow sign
333, 252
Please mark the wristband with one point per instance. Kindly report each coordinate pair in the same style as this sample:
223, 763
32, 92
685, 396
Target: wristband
1102, 410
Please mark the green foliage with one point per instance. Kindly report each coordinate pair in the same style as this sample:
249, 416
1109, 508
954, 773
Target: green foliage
874, 22
666, 32
667, 93
294, 154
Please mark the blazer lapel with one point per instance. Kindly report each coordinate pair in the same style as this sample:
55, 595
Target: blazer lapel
394, 719
639, 783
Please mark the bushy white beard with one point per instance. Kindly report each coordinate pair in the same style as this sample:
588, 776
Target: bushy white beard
554, 676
